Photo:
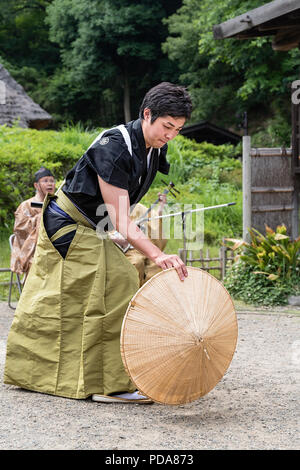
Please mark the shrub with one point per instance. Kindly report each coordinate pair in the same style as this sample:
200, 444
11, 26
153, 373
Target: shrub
267, 270
190, 159
24, 151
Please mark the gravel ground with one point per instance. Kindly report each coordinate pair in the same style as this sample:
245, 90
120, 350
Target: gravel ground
254, 406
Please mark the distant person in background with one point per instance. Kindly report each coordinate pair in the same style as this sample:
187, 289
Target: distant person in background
27, 222
145, 267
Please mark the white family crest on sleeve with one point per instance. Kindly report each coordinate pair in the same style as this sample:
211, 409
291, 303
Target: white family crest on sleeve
104, 141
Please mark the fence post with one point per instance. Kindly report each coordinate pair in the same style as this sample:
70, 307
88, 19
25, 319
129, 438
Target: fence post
246, 186
207, 257
183, 255
202, 258
223, 260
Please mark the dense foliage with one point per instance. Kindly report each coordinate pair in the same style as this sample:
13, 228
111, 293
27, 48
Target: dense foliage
267, 270
92, 61
24, 151
203, 173
228, 77
88, 61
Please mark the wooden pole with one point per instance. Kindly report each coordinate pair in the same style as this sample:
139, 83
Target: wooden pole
223, 260
295, 164
246, 186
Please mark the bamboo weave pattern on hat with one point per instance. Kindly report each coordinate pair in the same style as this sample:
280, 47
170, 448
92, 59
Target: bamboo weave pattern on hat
178, 338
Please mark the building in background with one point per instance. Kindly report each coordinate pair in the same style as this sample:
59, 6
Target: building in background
16, 105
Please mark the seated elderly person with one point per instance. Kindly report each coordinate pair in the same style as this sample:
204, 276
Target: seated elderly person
27, 221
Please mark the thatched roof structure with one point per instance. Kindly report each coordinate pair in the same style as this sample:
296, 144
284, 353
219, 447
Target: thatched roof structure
15, 104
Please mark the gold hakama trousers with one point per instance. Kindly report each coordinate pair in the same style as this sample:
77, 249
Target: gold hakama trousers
65, 335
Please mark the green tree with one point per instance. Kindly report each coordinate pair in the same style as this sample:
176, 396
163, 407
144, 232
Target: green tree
231, 75
111, 45
24, 36
101, 54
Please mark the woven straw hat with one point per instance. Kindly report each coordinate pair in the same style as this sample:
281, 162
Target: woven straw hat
178, 337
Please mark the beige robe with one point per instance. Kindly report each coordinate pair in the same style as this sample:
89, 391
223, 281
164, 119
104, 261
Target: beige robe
145, 267
26, 230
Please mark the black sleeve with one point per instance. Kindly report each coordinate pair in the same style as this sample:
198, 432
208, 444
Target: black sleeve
164, 165
110, 159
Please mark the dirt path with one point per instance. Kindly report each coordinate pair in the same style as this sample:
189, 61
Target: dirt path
254, 406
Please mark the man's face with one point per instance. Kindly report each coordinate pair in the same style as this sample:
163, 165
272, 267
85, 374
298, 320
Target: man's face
45, 185
162, 130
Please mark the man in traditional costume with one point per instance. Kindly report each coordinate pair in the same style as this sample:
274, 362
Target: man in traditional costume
65, 336
27, 222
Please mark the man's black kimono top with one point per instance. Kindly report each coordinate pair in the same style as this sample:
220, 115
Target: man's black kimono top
110, 159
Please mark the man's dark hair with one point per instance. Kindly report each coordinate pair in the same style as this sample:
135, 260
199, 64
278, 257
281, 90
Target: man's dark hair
167, 99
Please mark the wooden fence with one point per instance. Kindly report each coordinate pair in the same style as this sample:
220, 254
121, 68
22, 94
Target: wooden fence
270, 189
204, 261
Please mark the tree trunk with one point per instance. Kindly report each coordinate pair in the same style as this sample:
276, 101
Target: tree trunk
126, 103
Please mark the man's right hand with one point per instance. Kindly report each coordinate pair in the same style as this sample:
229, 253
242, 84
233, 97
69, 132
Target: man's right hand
165, 261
